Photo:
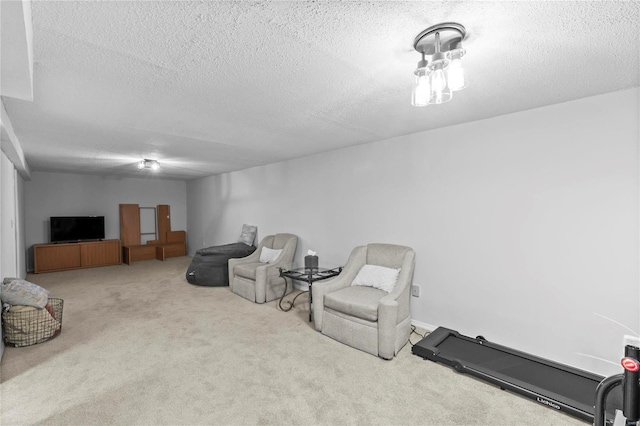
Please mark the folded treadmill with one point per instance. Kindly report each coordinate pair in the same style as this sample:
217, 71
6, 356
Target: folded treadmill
549, 383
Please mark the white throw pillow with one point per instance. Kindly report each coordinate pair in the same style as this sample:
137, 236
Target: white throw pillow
377, 276
268, 255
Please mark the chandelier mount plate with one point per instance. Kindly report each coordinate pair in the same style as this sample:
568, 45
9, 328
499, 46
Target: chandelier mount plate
451, 34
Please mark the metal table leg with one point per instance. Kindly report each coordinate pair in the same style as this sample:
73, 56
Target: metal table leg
310, 298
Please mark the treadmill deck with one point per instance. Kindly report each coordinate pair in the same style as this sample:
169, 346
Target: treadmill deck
549, 383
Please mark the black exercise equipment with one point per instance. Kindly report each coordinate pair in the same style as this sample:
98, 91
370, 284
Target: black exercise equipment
630, 381
552, 384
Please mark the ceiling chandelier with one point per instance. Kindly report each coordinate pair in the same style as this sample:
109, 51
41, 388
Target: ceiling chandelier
435, 82
148, 164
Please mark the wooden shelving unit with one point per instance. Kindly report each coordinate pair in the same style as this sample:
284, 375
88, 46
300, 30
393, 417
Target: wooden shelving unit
168, 243
85, 254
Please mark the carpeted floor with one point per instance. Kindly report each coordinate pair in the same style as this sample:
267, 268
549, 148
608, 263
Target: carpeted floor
141, 346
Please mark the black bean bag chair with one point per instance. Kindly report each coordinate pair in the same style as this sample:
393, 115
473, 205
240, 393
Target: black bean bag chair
210, 265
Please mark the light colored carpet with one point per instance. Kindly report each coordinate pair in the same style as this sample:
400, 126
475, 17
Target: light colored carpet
141, 346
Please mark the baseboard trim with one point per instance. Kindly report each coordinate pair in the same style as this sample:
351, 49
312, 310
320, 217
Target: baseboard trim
424, 325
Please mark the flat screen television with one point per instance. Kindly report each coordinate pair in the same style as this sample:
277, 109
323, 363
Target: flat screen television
76, 228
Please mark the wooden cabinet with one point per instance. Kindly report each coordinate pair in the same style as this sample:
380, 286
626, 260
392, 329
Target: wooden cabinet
86, 254
105, 253
56, 257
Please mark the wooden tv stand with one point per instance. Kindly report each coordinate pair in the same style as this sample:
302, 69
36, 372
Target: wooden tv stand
84, 254
175, 245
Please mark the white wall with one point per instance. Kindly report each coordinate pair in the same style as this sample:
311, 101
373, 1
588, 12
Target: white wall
8, 241
63, 194
1, 270
12, 261
21, 247
525, 226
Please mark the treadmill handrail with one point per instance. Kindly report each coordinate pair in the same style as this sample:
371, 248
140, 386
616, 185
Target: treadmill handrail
603, 389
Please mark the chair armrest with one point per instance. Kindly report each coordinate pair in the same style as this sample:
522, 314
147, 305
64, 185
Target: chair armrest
387, 320
263, 272
270, 270
394, 308
357, 258
401, 290
319, 289
252, 258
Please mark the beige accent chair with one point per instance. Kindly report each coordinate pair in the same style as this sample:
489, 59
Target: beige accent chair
367, 318
261, 282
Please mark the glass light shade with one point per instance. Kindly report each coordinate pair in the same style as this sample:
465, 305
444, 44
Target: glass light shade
421, 89
455, 70
440, 91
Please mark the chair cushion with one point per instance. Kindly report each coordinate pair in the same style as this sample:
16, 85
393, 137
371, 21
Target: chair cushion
247, 270
360, 302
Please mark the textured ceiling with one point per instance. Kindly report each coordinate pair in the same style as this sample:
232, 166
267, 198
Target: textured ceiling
211, 87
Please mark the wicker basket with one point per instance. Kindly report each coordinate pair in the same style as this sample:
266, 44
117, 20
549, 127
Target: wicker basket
26, 325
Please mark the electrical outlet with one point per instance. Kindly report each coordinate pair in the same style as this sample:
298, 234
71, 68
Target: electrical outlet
415, 290
631, 340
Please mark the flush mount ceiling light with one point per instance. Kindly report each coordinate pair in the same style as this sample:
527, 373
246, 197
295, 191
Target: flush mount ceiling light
435, 82
148, 164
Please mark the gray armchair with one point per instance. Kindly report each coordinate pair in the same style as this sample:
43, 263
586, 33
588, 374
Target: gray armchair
367, 318
260, 282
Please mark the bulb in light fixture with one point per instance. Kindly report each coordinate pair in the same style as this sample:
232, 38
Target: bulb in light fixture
455, 70
440, 91
148, 164
421, 91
